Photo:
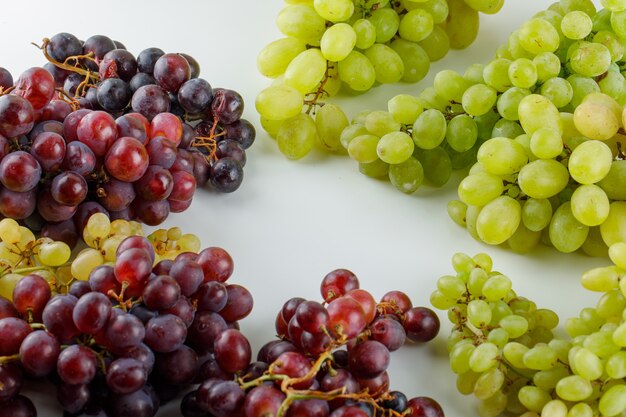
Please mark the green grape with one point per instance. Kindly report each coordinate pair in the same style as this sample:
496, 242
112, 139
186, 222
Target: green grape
498, 336
538, 35
459, 357
610, 305
376, 169
337, 42
498, 220
536, 214
496, 287
612, 43
437, 44
590, 205
297, 136
586, 6
388, 65
451, 286
614, 85
416, 25
415, 60
462, 160
496, 74
478, 313
580, 410
306, 70
546, 143
437, 165
533, 398
540, 358
365, 33
433, 101
554, 408
508, 102
98, 226
386, 22
363, 148
502, 156
582, 87
514, 353
275, 57
461, 133
457, 211
471, 219
405, 108
576, 25
547, 380
558, 90
617, 253
548, 66
546, 318
429, 129
85, 262
614, 5
515, 326
395, 147
476, 279
474, 74
407, 176
566, 233
461, 24
590, 162
618, 23
588, 364
351, 132
536, 111
479, 99
514, 48
270, 126
522, 73
499, 310
616, 363
489, 384
279, 102
330, 122
379, 123
574, 388
484, 357
109, 248
438, 10
465, 382
598, 116
486, 6
334, 10
7, 284
479, 189
54, 253
10, 230
589, 59
357, 71
301, 21
613, 401
450, 85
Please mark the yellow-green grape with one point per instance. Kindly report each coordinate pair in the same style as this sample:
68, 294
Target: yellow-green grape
279, 102
432, 100
596, 117
589, 59
461, 25
554, 408
534, 398
486, 6
566, 233
377, 169
457, 211
85, 262
574, 388
450, 85
474, 74
301, 21
612, 183
330, 121
588, 364
476, 279
440, 301
297, 136
590, 205
386, 21
338, 41
429, 130
416, 25
437, 165
514, 325
522, 73
617, 254
548, 66
334, 10
590, 162
120, 227
388, 65
582, 86
351, 132
547, 380
437, 44
98, 226
54, 253
8, 253
7, 284
540, 357
452, 286
459, 357
496, 287
365, 33
618, 23
508, 103
612, 42
306, 70
514, 353
580, 410
613, 401
536, 111
546, 143
471, 218
408, 176
270, 126
484, 357
357, 71
462, 133
395, 147
174, 233
438, 10
479, 99
189, 243
558, 90
502, 156
614, 5
136, 228
109, 247
538, 35
496, 74
576, 25
9, 231
498, 220
609, 306
405, 108
415, 59
478, 313
363, 148
489, 384
601, 279
273, 60
380, 122
479, 189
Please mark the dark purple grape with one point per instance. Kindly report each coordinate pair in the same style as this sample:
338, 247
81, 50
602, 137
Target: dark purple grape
368, 359
171, 71
118, 63
139, 80
124, 331
223, 399
19, 406
178, 367
273, 349
239, 303
92, 312
79, 157
64, 45
229, 148
183, 309
57, 317
150, 100
241, 131
73, 398
6, 79
201, 169
11, 380
19, 171
17, 205
77, 365
188, 274
126, 375
421, 324
69, 188
39, 353
79, 288
131, 125
58, 74
226, 175
189, 406
102, 279
162, 152
165, 333
119, 45
175, 107
55, 110
71, 83
308, 408
143, 354
51, 210
204, 329
152, 213
195, 95
137, 404
99, 46
193, 65
232, 350
156, 184
147, 58
389, 332
161, 293
397, 401
70, 124
116, 195
7, 309
211, 296
113, 94
227, 105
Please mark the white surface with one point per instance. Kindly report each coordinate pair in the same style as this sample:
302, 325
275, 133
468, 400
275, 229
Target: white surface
292, 222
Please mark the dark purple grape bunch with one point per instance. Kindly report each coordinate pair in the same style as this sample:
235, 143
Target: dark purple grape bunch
129, 339
330, 360
156, 82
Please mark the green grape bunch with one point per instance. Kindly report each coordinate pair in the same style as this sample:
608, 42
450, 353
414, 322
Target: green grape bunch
330, 45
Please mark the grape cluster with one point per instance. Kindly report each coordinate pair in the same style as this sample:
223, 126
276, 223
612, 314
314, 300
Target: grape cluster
330, 359
353, 44
504, 351
117, 339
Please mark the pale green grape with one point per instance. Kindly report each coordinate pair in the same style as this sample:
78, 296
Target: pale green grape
609, 306
432, 100
522, 73
496, 287
614, 5
465, 382
533, 398
496, 74
540, 358
574, 388
502, 156
576, 25
587, 364
440, 301
459, 357
415, 59
590, 205
508, 102
514, 48
514, 352
471, 217
498, 220
363, 148
612, 42
451, 286
337, 42
589, 59
478, 313
536, 111
538, 35
461, 133
498, 336
85, 262
486, 6
617, 253
461, 24
450, 85
548, 66
462, 160
405, 108
474, 74
477, 277
379, 123
416, 25
558, 90
515, 325
547, 380
9, 231
566, 233
429, 129
489, 384
582, 87
598, 116
365, 33
54, 253
479, 189
376, 169
98, 226
536, 214
275, 57
388, 65
407, 176
330, 122
357, 71
546, 143
438, 10
586, 6
618, 23
334, 10
614, 85
590, 162
437, 165
478, 99
301, 21
351, 132
437, 44
297, 136
457, 211
484, 357
554, 408
613, 229
279, 102
613, 401
395, 147
386, 22
306, 70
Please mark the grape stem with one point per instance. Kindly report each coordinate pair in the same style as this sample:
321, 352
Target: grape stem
317, 94
8, 359
209, 142
125, 305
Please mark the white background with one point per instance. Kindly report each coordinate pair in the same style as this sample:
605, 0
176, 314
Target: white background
292, 222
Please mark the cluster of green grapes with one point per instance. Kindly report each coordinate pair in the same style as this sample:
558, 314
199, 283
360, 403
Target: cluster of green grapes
21, 253
353, 44
556, 173
503, 350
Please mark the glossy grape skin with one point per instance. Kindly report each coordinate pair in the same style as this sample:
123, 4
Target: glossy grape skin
189, 276
216, 264
124, 331
150, 100
6, 79
161, 293
178, 367
63, 45
51, 210
195, 95
99, 46
39, 353
77, 365
273, 349
421, 324
11, 380
49, 150
133, 125
16, 116
17, 205
98, 131
162, 152
116, 195
139, 80
151, 213
31, 293
69, 188
204, 329
127, 159
226, 175
241, 131
171, 71
133, 266
72, 82
147, 58
138, 242
79, 158
73, 398
263, 401
424, 407
118, 63
229, 148
70, 124
113, 95
85, 210
168, 125
126, 375
232, 350
19, 171
183, 186
194, 66
227, 105
7, 309
57, 317
35, 85
337, 283
210, 296
92, 312
137, 404
55, 110
389, 332
368, 359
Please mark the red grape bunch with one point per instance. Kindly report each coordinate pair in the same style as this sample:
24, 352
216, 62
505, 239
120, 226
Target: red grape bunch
330, 360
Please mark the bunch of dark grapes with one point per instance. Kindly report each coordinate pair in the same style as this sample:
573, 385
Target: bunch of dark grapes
125, 341
330, 361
